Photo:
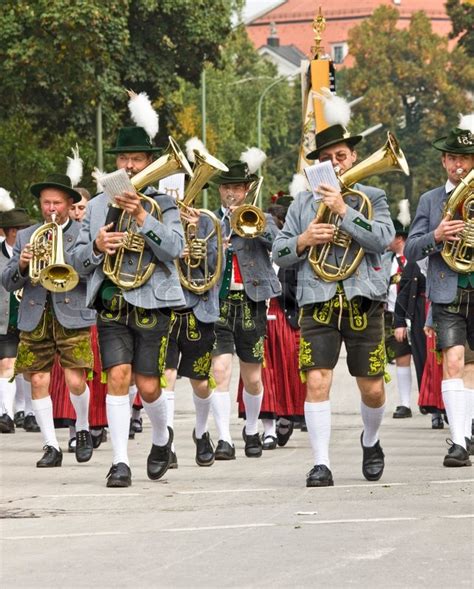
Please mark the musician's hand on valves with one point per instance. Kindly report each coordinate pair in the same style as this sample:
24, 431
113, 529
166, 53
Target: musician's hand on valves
400, 334
315, 234
132, 204
190, 215
448, 230
107, 241
25, 258
332, 198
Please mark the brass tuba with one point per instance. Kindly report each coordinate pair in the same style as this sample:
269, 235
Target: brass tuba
248, 220
47, 267
458, 254
389, 158
205, 167
171, 162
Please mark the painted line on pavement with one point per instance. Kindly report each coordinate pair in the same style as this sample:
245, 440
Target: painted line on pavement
467, 515
363, 485
451, 481
210, 528
66, 496
203, 491
53, 536
360, 521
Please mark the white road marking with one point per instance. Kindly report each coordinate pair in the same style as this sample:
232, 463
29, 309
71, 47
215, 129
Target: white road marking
208, 528
53, 536
360, 521
65, 496
451, 481
467, 515
205, 491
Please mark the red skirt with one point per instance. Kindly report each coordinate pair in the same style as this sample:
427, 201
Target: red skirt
63, 411
430, 398
283, 392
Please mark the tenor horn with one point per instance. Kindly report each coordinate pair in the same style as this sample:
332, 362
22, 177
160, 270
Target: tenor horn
248, 220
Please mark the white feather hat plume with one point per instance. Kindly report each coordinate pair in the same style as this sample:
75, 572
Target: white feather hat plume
404, 212
97, 175
298, 184
143, 113
6, 202
194, 144
254, 158
336, 109
75, 166
466, 122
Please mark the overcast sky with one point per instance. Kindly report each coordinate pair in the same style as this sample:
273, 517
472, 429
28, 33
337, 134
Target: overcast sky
255, 6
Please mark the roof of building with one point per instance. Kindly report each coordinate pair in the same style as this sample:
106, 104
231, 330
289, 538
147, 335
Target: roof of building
290, 53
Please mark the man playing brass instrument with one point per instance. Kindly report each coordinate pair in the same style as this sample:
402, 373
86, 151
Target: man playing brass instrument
350, 310
450, 290
133, 323
53, 323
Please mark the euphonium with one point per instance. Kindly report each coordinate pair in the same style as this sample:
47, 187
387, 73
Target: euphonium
205, 167
171, 162
47, 267
388, 158
458, 254
248, 220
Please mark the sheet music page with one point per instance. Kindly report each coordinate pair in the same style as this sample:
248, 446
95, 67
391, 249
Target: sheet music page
116, 183
321, 173
173, 185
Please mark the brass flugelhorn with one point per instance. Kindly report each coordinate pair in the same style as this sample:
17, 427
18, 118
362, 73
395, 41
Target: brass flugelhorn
248, 220
47, 267
389, 158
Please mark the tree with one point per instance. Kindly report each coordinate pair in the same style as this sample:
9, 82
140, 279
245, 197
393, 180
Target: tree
411, 84
462, 17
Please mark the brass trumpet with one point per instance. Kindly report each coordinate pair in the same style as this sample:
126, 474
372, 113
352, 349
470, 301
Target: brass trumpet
248, 220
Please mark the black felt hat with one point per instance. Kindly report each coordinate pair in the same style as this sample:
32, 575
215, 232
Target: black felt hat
457, 141
238, 173
15, 218
330, 136
60, 181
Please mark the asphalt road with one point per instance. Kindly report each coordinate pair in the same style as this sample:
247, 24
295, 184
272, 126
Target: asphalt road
246, 523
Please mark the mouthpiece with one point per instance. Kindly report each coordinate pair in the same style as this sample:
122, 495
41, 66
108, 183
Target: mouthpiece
459, 171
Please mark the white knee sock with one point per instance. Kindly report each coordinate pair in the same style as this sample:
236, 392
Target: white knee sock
19, 404
132, 393
404, 384
72, 432
202, 406
169, 396
157, 412
118, 418
136, 413
372, 420
318, 422
252, 405
81, 407
220, 405
269, 427
27, 396
469, 413
7, 396
43, 409
454, 397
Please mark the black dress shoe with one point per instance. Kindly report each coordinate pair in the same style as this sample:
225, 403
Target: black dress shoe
71, 446
253, 445
119, 475
84, 447
51, 458
204, 450
372, 461
98, 436
137, 425
437, 421
30, 424
469, 446
7, 425
19, 418
159, 459
456, 456
174, 461
401, 412
319, 476
269, 442
284, 432
131, 431
224, 451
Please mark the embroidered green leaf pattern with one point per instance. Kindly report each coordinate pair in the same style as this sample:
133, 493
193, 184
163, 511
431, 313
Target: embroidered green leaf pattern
258, 349
162, 354
25, 357
202, 365
305, 353
82, 351
377, 360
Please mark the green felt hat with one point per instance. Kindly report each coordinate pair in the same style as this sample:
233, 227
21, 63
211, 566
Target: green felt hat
331, 136
400, 229
15, 218
238, 173
60, 181
457, 141
133, 139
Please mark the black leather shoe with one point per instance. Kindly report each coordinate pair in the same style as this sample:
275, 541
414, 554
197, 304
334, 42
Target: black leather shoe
269, 442
159, 459
284, 433
174, 461
84, 447
401, 412
131, 432
119, 475
319, 476
456, 456
19, 418
51, 458
7, 425
372, 461
30, 424
437, 421
204, 450
137, 425
469, 448
71, 446
99, 437
224, 451
253, 445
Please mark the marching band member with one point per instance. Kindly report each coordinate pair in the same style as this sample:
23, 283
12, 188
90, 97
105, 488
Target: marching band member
248, 280
53, 323
133, 324
331, 312
450, 291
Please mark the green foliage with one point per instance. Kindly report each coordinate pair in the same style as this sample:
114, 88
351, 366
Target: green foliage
413, 86
462, 17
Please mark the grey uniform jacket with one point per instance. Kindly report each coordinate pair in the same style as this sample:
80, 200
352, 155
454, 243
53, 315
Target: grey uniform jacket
69, 307
165, 241
4, 294
374, 236
205, 306
441, 280
259, 278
